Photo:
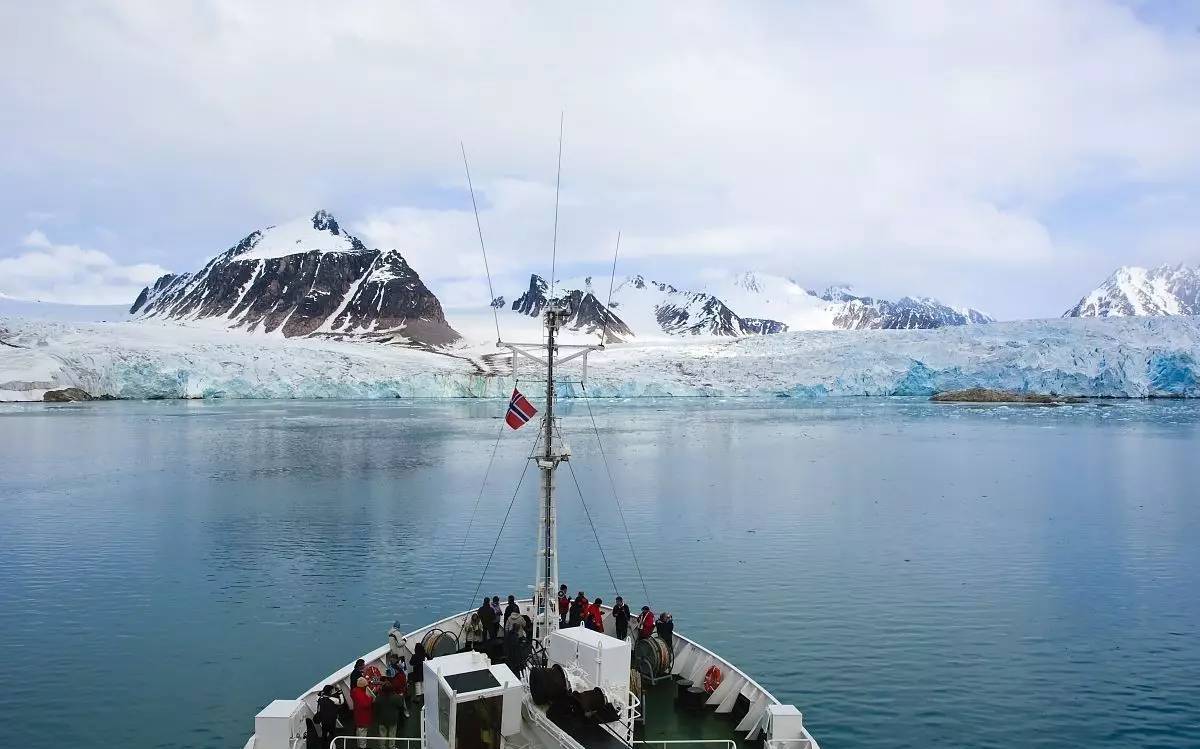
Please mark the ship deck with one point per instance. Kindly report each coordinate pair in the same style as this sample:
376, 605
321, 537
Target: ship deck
734, 712
664, 721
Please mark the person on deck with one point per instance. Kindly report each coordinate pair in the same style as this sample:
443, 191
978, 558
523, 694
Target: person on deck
564, 603
515, 652
364, 713
359, 665
621, 617
473, 633
487, 617
575, 614
397, 675
397, 642
388, 708
666, 629
595, 616
329, 705
416, 671
511, 608
645, 623
499, 617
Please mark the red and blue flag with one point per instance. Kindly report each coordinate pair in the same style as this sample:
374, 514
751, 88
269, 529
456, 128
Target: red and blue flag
520, 410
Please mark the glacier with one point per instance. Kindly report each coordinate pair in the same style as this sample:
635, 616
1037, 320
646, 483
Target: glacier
1102, 357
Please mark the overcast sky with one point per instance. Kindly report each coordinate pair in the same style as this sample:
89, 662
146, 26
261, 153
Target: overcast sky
1006, 155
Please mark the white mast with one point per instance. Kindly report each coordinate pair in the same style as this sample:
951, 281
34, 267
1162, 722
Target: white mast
545, 579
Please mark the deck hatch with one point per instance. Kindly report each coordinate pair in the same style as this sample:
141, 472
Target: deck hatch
472, 681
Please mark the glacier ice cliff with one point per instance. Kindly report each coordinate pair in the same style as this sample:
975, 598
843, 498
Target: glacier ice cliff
1114, 357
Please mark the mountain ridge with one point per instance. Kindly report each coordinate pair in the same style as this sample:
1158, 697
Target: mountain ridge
305, 277
1134, 291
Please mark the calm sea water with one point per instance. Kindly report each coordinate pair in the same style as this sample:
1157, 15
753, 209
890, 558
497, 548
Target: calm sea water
908, 574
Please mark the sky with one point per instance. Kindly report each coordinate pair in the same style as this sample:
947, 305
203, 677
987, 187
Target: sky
1006, 156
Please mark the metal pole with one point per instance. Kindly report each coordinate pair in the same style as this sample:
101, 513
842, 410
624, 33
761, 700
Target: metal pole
548, 582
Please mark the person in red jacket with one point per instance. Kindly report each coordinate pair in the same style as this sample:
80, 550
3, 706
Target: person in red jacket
594, 616
645, 622
564, 603
364, 712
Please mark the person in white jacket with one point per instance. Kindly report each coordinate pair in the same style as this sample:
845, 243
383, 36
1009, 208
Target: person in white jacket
398, 643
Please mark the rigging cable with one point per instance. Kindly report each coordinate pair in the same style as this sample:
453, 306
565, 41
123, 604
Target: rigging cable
608, 304
557, 184
613, 486
479, 228
511, 502
463, 544
588, 513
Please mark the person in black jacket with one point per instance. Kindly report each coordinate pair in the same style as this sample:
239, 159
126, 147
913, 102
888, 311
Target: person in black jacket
575, 614
488, 617
359, 665
329, 706
665, 626
621, 617
511, 608
416, 672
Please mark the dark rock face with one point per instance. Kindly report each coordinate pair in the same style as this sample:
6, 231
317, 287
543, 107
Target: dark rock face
331, 285
699, 314
66, 395
906, 313
584, 311
534, 299
988, 395
763, 326
678, 312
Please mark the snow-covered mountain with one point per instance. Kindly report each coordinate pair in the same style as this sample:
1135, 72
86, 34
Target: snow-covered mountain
1132, 291
742, 305
304, 278
643, 310
906, 313
586, 313
837, 307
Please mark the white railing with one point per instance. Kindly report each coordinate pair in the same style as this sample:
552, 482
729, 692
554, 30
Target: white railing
542, 721
343, 742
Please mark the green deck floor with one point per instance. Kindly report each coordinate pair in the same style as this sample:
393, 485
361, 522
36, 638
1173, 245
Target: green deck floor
666, 722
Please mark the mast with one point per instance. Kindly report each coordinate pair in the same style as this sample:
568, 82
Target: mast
545, 587
546, 354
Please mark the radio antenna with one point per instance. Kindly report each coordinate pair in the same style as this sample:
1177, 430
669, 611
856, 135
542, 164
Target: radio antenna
479, 228
557, 184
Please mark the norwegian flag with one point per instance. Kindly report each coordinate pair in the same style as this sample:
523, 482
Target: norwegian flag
520, 410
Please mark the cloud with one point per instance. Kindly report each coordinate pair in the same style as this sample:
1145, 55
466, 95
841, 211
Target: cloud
66, 273
917, 148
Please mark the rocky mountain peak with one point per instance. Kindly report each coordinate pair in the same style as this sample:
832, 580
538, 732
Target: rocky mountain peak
323, 220
305, 277
1135, 291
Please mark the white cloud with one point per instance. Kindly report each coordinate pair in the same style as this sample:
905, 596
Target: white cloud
899, 144
71, 274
